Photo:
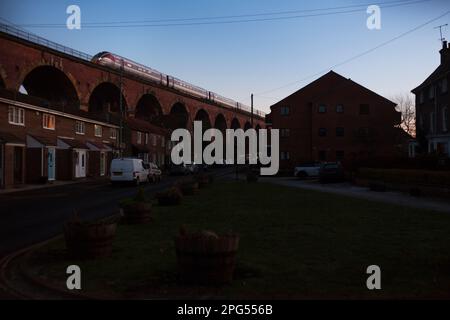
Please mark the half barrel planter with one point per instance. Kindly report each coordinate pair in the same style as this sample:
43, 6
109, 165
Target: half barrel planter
90, 240
206, 260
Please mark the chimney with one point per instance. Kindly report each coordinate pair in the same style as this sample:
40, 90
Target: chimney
445, 52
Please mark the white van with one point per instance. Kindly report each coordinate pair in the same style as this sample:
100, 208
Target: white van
129, 170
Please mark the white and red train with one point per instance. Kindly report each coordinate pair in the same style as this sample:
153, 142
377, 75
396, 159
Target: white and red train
114, 61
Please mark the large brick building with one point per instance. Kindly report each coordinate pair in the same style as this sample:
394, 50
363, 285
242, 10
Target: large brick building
432, 108
334, 119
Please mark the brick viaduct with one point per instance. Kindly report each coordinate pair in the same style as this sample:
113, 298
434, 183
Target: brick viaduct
64, 78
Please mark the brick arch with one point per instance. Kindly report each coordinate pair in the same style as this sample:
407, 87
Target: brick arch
202, 114
104, 79
30, 67
117, 86
148, 107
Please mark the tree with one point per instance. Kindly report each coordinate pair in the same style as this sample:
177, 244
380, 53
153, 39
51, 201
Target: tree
406, 105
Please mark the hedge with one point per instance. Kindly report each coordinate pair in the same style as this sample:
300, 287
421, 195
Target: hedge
410, 177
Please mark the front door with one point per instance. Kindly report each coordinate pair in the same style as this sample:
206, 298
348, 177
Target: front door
80, 163
1, 165
18, 165
51, 163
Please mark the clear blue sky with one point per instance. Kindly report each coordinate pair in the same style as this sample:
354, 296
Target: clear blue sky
237, 59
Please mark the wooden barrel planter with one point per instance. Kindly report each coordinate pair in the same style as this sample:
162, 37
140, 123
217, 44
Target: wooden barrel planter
90, 240
137, 212
207, 260
170, 197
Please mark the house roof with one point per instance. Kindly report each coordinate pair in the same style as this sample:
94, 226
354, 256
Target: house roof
144, 126
99, 145
438, 73
69, 109
10, 138
74, 143
341, 79
46, 141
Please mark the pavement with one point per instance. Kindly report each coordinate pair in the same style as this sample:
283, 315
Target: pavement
347, 189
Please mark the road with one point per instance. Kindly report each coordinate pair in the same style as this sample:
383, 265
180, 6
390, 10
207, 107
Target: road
32, 216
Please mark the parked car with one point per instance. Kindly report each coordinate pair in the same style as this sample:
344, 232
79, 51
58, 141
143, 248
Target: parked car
129, 170
331, 172
154, 173
178, 169
307, 170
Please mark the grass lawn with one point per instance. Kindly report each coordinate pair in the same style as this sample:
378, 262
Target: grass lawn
294, 244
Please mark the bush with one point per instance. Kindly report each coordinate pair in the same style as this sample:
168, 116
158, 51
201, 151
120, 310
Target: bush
170, 197
377, 187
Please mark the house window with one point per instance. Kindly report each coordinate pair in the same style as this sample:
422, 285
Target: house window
163, 141
154, 141
421, 97
113, 133
284, 155
431, 92
98, 130
79, 127
16, 116
322, 108
285, 111
48, 121
364, 109
444, 85
139, 137
322, 132
339, 132
445, 119
146, 138
339, 155
339, 108
432, 122
285, 133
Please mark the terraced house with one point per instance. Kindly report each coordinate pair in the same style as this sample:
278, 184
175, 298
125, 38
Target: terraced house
432, 108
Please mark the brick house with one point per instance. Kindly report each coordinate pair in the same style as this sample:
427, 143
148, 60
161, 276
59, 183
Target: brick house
432, 108
39, 142
334, 119
147, 142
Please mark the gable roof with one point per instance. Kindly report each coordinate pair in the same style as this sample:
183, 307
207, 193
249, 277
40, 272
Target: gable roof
438, 73
339, 78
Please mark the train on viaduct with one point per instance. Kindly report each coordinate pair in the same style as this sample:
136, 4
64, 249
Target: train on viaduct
39, 78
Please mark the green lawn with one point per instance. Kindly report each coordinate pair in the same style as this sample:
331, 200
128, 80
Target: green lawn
294, 244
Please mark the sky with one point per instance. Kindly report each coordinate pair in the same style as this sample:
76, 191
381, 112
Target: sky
237, 59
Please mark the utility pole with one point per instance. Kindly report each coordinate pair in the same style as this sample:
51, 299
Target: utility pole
440, 31
251, 119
